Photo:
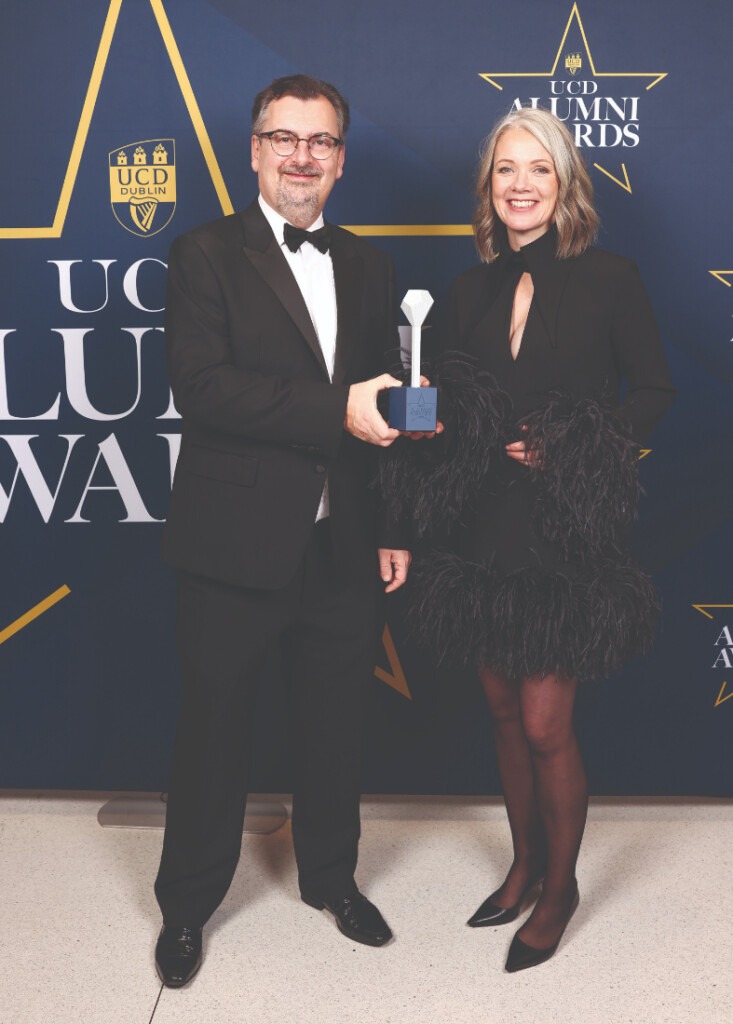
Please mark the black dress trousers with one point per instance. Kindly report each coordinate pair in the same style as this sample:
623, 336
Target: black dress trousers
328, 628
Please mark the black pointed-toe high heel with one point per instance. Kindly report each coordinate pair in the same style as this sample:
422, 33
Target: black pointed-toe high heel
521, 956
490, 914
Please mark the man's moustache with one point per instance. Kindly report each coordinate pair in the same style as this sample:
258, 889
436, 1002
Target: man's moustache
311, 172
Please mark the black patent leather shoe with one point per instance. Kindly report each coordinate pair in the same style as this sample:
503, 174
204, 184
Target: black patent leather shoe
521, 956
356, 917
490, 914
177, 955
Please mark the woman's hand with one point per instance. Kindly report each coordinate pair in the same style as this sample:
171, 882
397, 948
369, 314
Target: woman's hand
517, 450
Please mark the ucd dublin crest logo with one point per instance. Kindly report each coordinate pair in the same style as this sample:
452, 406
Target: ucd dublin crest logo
142, 185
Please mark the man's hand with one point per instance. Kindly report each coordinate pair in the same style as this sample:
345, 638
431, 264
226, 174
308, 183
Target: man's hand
362, 418
393, 566
418, 435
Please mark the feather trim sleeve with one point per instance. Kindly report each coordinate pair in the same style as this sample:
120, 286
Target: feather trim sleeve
431, 481
586, 470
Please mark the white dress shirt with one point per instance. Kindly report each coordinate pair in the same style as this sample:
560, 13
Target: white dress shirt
313, 271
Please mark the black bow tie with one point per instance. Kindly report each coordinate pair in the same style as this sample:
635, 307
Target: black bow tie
294, 237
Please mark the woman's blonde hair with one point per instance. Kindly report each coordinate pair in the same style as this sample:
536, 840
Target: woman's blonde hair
575, 216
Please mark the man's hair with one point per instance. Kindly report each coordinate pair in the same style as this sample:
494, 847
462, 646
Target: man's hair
575, 217
302, 87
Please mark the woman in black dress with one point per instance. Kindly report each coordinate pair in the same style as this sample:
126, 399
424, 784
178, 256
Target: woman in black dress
538, 588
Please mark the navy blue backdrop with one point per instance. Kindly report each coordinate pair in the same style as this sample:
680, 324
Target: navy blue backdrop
124, 123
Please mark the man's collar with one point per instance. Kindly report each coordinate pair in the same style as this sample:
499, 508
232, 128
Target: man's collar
277, 221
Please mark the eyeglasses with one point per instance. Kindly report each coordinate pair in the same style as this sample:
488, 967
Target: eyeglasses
286, 143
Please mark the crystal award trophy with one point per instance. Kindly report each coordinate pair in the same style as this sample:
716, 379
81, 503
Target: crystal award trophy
413, 407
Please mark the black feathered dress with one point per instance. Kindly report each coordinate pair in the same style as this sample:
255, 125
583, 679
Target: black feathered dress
536, 577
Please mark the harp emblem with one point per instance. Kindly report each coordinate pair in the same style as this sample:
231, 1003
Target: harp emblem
142, 184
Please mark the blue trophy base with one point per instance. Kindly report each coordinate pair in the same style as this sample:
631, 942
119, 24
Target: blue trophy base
413, 408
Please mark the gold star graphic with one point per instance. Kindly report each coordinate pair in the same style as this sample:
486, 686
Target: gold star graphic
395, 677
720, 275
655, 76
721, 699
33, 613
704, 610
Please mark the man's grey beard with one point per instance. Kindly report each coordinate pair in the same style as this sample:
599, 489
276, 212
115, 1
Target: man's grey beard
298, 201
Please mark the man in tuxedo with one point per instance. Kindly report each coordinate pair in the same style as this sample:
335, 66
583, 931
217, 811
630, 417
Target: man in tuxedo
277, 325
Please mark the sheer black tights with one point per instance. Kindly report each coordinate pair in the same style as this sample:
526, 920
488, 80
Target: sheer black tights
545, 792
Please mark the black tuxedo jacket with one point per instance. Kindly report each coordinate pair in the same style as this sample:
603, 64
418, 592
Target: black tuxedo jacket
262, 423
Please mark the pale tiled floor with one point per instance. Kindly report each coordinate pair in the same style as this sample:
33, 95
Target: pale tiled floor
650, 944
